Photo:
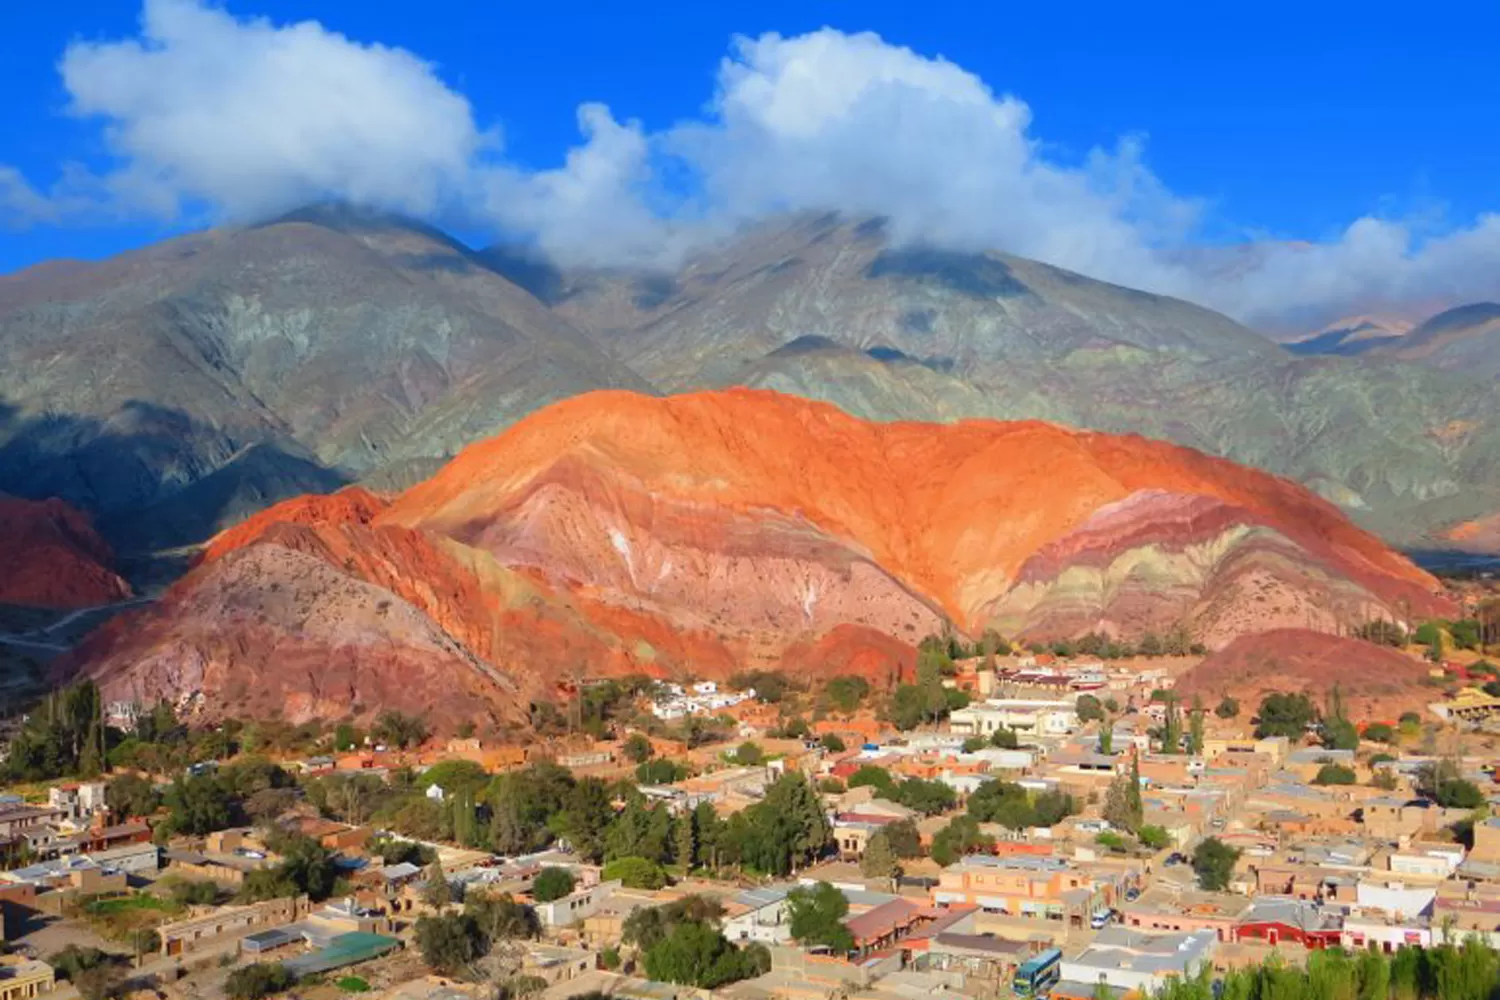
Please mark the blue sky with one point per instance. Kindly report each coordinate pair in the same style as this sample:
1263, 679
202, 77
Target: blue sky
1281, 122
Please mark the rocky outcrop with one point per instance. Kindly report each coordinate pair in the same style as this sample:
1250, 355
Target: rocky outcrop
706, 533
50, 556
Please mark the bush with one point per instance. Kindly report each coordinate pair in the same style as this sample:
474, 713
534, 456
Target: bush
352, 984
1334, 774
1286, 715
1111, 841
451, 942
1380, 732
749, 754
833, 744
75, 959
1089, 708
262, 979
637, 748
1213, 863
552, 883
1228, 708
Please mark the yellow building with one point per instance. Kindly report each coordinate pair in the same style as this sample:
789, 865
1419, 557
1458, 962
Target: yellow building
24, 978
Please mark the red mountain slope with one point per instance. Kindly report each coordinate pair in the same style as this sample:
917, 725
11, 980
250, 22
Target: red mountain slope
703, 533
51, 557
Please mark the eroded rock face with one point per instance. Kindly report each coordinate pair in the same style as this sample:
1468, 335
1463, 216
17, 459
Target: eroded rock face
707, 533
50, 556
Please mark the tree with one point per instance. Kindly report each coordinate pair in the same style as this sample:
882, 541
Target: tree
1443, 782
1380, 732
451, 942
1002, 802
1005, 738
262, 979
684, 841
551, 884
661, 771
637, 748
879, 860
1107, 739
1284, 714
456, 777
437, 893
904, 838
394, 728
926, 797
1213, 863
1334, 774
635, 873
1089, 708
959, 838
1122, 802
1227, 708
1195, 728
1151, 644
1339, 734
697, 954
198, 805
131, 795
877, 778
817, 917
501, 918
974, 744
749, 754
347, 737
1171, 730
844, 694
1154, 837
832, 743
586, 812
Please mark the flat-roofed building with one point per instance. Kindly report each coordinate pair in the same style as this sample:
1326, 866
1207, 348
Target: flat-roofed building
22, 978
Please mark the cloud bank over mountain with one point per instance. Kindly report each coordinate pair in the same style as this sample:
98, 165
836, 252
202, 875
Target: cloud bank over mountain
209, 114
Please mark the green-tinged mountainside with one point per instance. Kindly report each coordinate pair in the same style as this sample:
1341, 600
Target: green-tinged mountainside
179, 387
825, 308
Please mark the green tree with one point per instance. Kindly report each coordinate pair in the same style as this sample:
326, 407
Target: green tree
927, 797
817, 917
685, 841
1122, 801
501, 917
451, 942
661, 771
261, 979
394, 728
551, 884
904, 838
1089, 708
879, 860
584, 818
198, 805
1444, 783
1154, 837
845, 694
959, 838
832, 743
1284, 714
749, 754
697, 954
1334, 774
1171, 730
1213, 863
637, 748
437, 893
635, 873
877, 778
1380, 732
1227, 708
131, 795
1195, 728
1339, 734
1004, 738
347, 737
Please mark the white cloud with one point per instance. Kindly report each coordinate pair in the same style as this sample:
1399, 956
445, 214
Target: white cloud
206, 113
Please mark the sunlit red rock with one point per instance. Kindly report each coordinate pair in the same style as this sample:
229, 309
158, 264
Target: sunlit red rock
703, 534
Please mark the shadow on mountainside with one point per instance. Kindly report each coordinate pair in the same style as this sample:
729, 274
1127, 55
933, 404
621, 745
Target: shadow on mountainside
152, 478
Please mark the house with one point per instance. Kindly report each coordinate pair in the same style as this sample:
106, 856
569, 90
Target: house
1279, 919
184, 937
884, 925
22, 978
77, 799
1030, 717
576, 906
1127, 959
1041, 888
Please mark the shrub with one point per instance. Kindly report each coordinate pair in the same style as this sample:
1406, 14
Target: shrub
635, 873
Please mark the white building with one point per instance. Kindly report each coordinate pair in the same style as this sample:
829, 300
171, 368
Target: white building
1031, 717
1128, 959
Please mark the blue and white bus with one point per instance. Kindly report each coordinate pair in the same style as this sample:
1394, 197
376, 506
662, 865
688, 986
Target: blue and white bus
1038, 975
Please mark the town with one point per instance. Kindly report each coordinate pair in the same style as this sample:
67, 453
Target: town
1019, 823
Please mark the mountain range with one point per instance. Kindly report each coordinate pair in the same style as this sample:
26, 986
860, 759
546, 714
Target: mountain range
172, 391
703, 534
